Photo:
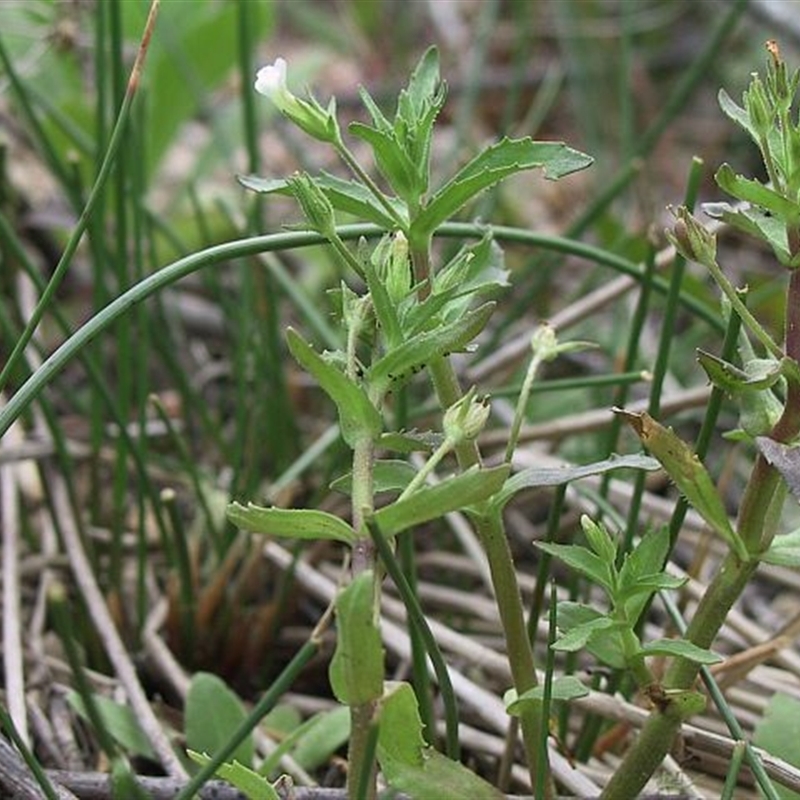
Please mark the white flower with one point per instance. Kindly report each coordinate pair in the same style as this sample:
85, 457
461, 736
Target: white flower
271, 80
308, 114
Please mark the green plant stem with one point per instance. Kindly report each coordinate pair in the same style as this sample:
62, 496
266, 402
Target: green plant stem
420, 625
361, 782
364, 177
763, 487
492, 535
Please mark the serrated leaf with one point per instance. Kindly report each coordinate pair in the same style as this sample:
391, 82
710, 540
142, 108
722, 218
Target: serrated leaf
417, 351
432, 502
212, 714
348, 197
356, 669
680, 648
388, 475
495, 163
359, 420
753, 191
411, 767
607, 648
118, 720
778, 732
785, 458
290, 523
537, 477
247, 781
688, 473
564, 688
583, 561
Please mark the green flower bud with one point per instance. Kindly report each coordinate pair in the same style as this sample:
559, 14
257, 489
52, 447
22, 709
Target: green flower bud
544, 343
397, 275
758, 108
465, 419
316, 206
692, 240
308, 115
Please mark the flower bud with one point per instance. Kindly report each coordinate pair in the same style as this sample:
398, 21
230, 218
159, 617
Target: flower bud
316, 206
308, 115
465, 419
544, 343
692, 240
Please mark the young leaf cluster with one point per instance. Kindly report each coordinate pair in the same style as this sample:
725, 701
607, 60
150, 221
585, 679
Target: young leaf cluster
611, 635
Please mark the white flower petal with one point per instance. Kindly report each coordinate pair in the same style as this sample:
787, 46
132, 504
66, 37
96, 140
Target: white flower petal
271, 80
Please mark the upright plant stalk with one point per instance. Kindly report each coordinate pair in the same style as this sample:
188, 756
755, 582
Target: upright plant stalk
764, 488
491, 532
363, 558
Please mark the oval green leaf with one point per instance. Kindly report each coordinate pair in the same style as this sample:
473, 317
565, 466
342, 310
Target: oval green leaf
290, 523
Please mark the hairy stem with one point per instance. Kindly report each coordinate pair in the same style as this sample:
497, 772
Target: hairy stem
363, 558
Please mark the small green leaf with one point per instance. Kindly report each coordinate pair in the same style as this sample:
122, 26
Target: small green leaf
688, 473
431, 502
119, 721
356, 669
582, 560
247, 781
417, 351
537, 477
607, 648
737, 114
212, 714
579, 636
760, 373
784, 550
291, 523
564, 688
495, 163
680, 648
410, 441
756, 223
411, 767
778, 732
648, 585
388, 475
319, 741
359, 420
644, 565
752, 191
345, 196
